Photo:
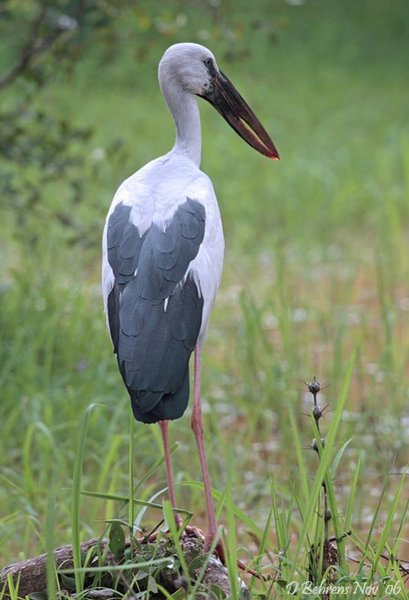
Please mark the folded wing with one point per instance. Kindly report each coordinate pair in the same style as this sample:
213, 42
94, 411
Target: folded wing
155, 307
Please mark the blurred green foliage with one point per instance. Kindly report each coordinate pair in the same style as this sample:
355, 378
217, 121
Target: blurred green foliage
43, 154
317, 249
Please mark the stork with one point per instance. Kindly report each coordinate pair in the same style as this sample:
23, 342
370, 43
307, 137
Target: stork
163, 252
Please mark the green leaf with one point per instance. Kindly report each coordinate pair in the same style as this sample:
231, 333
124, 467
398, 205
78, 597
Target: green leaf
216, 592
68, 582
117, 541
76, 494
141, 575
180, 594
338, 457
152, 585
282, 583
156, 562
197, 563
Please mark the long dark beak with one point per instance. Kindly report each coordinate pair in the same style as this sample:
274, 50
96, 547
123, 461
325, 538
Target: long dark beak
228, 102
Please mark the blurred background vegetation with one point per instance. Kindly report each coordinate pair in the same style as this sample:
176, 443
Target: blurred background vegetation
317, 244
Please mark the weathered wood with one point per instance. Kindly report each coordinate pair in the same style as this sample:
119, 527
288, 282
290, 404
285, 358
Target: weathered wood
33, 571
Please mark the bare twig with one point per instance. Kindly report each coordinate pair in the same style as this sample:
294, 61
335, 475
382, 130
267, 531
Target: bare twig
35, 46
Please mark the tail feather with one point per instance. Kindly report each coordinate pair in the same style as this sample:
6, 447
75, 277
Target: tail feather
167, 406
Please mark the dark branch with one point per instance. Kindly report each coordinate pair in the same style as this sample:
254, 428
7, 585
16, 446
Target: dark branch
35, 46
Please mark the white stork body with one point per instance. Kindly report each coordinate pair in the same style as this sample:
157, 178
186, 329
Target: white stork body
163, 253
154, 193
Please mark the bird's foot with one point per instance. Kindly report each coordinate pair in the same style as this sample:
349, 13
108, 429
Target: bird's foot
189, 530
192, 531
209, 540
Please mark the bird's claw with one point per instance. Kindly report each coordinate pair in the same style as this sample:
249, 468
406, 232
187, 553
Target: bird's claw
192, 531
189, 530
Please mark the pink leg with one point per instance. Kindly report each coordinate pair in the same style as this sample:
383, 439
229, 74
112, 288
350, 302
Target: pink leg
164, 428
197, 426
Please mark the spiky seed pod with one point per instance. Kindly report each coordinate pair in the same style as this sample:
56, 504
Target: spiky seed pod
314, 386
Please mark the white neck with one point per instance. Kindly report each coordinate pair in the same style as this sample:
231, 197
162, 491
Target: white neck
185, 112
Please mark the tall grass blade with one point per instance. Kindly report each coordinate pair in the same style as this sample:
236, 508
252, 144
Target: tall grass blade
76, 495
176, 534
302, 470
202, 571
156, 466
50, 544
120, 498
386, 530
352, 493
230, 538
118, 568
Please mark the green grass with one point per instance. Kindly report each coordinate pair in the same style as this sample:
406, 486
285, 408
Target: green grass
316, 269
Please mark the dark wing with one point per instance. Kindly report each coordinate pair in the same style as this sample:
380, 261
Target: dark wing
154, 310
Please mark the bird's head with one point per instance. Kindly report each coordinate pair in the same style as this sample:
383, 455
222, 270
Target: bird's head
193, 68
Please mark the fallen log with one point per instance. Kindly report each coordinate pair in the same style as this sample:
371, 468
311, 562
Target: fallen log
32, 573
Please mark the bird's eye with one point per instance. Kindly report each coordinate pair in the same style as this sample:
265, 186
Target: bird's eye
209, 64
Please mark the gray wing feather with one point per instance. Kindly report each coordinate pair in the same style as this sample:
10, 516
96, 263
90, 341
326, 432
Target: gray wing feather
153, 345
124, 244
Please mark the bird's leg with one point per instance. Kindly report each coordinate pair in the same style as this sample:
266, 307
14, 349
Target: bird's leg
164, 428
197, 427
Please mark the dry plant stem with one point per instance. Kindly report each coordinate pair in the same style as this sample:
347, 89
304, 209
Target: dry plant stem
314, 387
243, 567
402, 564
327, 516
